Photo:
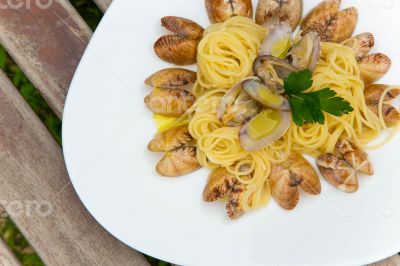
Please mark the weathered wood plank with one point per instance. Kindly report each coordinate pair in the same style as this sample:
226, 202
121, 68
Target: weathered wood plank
32, 179
47, 41
7, 257
392, 261
103, 4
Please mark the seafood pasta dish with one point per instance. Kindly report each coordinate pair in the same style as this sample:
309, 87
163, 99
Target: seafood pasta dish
270, 90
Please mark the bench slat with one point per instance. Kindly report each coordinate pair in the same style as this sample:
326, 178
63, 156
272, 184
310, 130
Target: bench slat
7, 257
33, 174
48, 51
47, 43
103, 4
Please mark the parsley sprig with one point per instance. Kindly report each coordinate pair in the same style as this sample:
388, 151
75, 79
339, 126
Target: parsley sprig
308, 107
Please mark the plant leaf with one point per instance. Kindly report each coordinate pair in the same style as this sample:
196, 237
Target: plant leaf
298, 82
309, 107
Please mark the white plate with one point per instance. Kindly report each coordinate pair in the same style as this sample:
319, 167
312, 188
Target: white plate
107, 127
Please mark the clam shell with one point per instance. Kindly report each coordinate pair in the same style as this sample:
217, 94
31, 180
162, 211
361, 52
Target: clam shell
178, 162
271, 11
171, 139
234, 206
343, 26
219, 185
281, 67
304, 174
308, 60
221, 10
242, 110
391, 115
338, 173
331, 24
373, 93
279, 32
373, 67
239, 105
319, 17
176, 49
355, 156
250, 144
182, 27
361, 44
169, 102
171, 78
252, 87
284, 189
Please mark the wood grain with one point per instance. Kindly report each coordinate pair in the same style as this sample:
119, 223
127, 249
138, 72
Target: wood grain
392, 261
33, 174
47, 42
7, 257
103, 4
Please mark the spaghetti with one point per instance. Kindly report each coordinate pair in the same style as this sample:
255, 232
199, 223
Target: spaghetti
226, 53
219, 146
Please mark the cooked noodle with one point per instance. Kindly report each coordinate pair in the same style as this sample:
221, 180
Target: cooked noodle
227, 51
219, 146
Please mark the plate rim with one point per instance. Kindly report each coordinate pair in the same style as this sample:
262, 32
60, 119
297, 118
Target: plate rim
357, 261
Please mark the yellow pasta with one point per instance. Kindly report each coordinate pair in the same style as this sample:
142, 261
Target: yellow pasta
219, 146
227, 51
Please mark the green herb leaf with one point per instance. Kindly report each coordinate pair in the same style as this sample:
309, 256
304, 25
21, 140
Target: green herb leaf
300, 112
331, 104
309, 107
298, 82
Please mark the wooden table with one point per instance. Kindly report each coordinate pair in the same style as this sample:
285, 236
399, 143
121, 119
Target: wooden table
47, 43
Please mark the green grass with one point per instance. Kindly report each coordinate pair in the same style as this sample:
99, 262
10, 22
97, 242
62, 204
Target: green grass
8, 230
30, 94
18, 244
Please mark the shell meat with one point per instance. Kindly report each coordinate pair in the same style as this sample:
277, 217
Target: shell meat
284, 189
361, 44
264, 129
278, 41
264, 95
373, 67
183, 27
221, 10
169, 102
270, 68
234, 207
241, 111
171, 78
176, 49
329, 23
338, 172
178, 162
355, 156
270, 12
171, 139
236, 107
219, 185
